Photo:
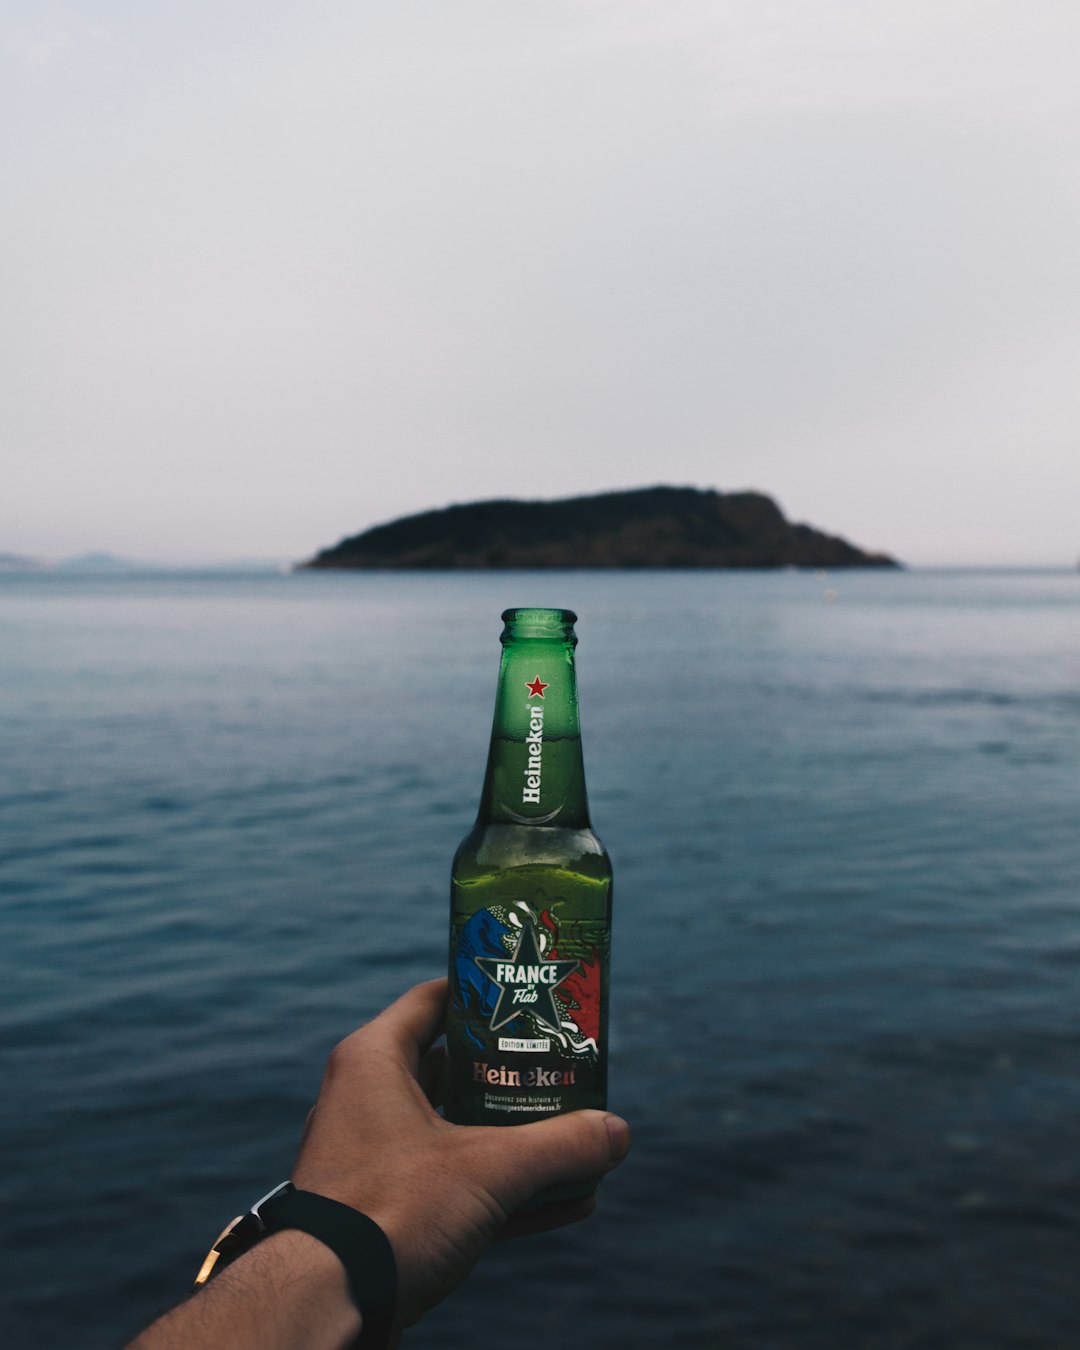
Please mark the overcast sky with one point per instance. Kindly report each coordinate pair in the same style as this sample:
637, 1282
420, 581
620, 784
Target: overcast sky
272, 273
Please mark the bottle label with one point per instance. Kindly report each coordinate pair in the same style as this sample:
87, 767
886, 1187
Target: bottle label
534, 747
529, 1004
527, 982
534, 741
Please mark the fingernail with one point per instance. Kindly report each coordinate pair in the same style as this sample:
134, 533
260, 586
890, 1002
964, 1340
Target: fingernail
618, 1138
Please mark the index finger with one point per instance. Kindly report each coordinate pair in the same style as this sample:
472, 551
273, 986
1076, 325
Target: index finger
411, 1024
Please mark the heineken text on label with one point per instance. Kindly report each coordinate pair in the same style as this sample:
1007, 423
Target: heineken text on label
534, 744
530, 930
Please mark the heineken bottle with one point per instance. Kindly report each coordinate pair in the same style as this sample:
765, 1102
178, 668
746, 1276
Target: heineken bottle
530, 924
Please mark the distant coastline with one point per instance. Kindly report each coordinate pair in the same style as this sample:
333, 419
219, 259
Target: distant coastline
656, 527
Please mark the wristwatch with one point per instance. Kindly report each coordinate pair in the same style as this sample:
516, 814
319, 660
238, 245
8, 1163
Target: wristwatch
357, 1241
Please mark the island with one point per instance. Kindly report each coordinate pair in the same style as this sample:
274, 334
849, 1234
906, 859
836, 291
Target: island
644, 527
19, 562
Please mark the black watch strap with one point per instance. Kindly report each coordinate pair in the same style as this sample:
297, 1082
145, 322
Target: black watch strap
357, 1241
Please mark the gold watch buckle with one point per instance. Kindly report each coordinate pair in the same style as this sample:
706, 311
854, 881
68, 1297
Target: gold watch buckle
249, 1226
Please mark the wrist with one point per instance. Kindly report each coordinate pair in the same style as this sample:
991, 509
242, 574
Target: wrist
288, 1291
307, 1284
341, 1239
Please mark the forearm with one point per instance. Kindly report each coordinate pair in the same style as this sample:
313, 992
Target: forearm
439, 1192
287, 1293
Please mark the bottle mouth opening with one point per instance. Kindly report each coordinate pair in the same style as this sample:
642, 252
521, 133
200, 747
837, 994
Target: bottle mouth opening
554, 624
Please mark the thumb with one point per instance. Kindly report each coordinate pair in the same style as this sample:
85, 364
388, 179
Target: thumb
574, 1147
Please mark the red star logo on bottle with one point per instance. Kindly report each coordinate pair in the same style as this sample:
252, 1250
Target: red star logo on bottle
536, 687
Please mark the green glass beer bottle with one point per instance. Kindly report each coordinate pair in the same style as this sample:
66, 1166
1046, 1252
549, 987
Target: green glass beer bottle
530, 924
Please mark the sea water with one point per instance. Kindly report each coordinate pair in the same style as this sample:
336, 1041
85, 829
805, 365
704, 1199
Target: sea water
844, 813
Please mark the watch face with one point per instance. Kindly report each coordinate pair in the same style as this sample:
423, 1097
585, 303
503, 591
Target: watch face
283, 1188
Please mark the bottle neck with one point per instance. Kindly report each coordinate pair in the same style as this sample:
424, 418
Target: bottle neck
535, 774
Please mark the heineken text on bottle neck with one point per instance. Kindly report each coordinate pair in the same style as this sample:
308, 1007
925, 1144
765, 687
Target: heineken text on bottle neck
531, 902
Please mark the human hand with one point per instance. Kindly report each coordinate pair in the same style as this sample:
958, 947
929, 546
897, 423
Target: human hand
440, 1192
